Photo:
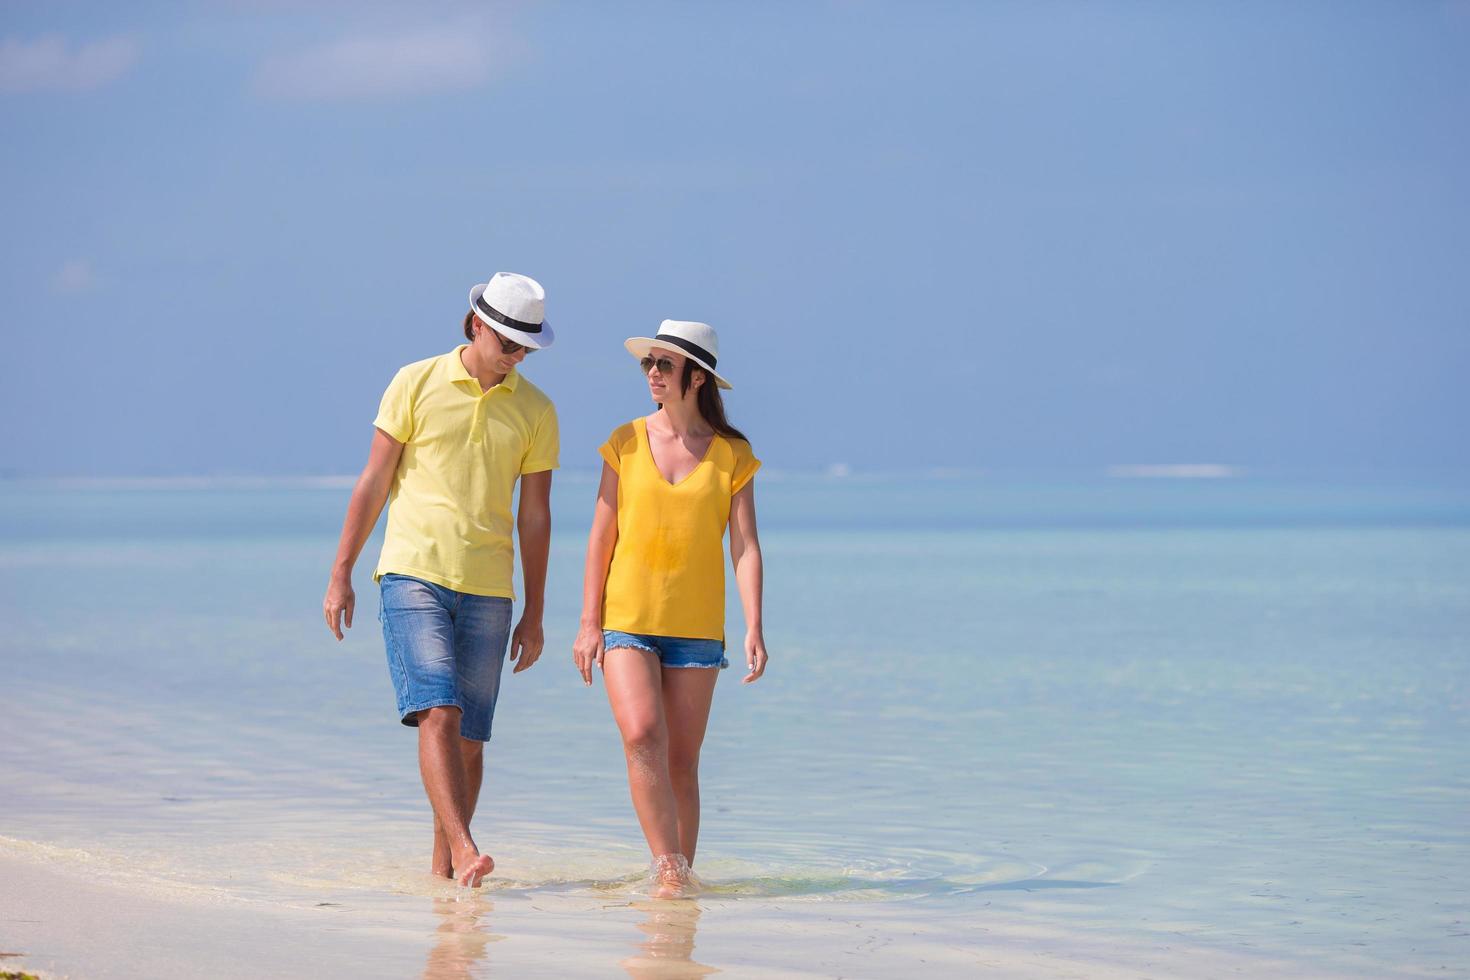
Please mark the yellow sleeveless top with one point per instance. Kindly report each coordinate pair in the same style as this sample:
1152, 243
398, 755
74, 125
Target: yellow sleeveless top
668, 567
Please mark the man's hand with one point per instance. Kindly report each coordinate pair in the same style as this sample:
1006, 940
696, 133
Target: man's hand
338, 605
368, 496
526, 642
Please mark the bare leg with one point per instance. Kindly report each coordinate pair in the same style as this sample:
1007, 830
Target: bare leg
635, 692
687, 694
472, 754
442, 767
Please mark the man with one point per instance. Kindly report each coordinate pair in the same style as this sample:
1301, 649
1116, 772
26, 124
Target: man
454, 434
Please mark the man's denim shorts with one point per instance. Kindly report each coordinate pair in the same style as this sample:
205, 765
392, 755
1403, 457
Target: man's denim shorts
672, 651
444, 647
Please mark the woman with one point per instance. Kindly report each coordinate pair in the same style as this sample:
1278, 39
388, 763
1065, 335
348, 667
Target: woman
653, 597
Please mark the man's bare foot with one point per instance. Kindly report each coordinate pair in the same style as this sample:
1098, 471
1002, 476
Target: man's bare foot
442, 863
473, 868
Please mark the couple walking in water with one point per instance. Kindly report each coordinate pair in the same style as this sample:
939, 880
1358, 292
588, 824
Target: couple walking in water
453, 435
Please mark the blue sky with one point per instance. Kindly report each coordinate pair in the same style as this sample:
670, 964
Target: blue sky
931, 235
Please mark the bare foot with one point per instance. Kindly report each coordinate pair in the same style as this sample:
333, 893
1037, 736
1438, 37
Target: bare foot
473, 868
442, 863
672, 877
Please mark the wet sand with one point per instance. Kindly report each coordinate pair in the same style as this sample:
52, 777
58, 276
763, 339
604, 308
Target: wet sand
66, 924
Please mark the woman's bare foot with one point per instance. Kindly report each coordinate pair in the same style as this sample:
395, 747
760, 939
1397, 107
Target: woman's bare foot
671, 876
472, 867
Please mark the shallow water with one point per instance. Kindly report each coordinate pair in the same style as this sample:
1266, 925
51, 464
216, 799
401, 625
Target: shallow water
1227, 716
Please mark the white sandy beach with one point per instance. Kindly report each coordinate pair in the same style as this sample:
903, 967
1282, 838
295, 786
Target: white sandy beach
65, 923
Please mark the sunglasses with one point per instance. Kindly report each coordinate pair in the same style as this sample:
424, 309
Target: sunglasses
510, 346
664, 365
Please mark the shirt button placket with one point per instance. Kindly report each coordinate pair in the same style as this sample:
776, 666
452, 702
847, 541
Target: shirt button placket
477, 424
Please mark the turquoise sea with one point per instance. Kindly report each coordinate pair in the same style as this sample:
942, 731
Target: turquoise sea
1039, 726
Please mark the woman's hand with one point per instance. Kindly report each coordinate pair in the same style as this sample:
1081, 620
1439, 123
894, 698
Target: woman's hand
755, 655
587, 650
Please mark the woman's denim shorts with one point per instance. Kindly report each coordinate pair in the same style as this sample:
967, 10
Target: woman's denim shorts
672, 651
444, 648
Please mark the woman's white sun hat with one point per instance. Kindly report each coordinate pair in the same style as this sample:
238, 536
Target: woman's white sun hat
514, 306
697, 341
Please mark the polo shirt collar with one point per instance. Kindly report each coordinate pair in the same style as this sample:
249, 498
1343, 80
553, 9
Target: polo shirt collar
457, 372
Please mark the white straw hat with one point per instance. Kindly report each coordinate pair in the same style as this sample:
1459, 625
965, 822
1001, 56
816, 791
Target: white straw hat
514, 306
697, 341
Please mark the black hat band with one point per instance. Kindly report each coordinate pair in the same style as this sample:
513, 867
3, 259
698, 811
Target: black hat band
688, 347
501, 318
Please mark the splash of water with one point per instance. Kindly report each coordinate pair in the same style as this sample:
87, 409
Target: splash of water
669, 876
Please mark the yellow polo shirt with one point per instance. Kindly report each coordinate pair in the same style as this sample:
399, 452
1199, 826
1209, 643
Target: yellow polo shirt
667, 576
449, 511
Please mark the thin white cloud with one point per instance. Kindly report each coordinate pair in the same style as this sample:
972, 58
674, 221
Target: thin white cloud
364, 67
74, 276
52, 64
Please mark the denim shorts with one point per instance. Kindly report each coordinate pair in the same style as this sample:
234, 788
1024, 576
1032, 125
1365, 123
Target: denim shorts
672, 651
444, 648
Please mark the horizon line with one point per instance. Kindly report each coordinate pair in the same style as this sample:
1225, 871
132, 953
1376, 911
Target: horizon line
831, 473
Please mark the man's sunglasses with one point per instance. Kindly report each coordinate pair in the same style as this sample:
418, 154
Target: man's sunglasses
664, 365
510, 346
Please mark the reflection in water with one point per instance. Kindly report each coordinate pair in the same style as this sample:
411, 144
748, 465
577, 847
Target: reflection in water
668, 951
460, 940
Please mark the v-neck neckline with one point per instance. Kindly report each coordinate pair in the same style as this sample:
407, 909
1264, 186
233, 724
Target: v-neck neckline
648, 444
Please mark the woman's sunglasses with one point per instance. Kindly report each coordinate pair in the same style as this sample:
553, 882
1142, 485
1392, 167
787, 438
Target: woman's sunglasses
664, 365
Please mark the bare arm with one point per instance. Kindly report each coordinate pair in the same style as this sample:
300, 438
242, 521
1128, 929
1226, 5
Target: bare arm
368, 497
533, 524
745, 555
587, 650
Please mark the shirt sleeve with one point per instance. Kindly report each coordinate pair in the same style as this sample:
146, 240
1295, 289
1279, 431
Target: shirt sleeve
620, 442
545, 448
395, 411
611, 455
745, 466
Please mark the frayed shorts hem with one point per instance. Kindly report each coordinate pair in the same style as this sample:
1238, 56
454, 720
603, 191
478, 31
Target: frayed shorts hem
673, 652
633, 646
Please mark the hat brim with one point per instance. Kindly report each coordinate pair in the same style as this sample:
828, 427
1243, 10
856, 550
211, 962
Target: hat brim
535, 341
640, 346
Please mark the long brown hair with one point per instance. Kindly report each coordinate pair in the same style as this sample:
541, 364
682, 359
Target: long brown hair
707, 399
